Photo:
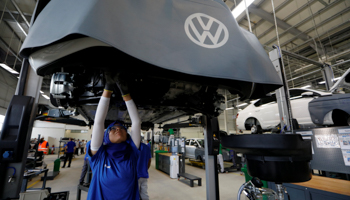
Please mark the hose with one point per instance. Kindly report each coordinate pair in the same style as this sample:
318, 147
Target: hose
241, 190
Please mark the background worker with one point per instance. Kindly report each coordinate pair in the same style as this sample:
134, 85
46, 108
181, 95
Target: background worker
43, 145
69, 150
143, 165
85, 166
221, 159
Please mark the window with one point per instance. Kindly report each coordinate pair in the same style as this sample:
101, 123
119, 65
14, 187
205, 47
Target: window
201, 143
194, 143
296, 93
187, 142
266, 100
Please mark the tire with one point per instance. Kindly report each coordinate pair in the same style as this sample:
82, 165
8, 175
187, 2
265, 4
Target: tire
256, 129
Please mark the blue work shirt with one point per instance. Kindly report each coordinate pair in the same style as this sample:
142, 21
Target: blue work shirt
70, 147
87, 148
142, 163
114, 179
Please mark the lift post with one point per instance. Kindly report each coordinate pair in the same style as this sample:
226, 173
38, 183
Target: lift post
17, 130
211, 149
282, 94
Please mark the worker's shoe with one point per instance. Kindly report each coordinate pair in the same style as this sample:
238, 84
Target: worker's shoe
63, 166
86, 184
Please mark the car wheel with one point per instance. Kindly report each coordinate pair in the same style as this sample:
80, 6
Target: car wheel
256, 129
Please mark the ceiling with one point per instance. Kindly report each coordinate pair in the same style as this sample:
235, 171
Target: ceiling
316, 29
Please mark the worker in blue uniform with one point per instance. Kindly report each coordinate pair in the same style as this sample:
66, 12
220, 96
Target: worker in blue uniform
143, 165
113, 153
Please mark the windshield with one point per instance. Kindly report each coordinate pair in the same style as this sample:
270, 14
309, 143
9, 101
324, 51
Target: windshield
201, 142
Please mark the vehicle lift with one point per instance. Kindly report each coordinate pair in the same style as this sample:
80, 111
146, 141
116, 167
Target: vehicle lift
18, 125
17, 128
211, 127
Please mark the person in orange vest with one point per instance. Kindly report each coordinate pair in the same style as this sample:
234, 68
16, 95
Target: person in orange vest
43, 146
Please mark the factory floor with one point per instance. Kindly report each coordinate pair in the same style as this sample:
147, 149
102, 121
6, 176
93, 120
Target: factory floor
160, 185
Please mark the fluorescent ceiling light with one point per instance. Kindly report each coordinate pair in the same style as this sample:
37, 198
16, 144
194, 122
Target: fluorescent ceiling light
323, 82
41, 92
240, 105
9, 69
230, 108
306, 86
306, 66
241, 8
45, 96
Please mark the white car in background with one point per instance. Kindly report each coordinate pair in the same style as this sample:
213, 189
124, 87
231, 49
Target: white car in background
262, 114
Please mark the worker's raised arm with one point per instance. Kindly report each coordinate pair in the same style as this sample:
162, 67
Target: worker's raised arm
100, 116
135, 120
132, 110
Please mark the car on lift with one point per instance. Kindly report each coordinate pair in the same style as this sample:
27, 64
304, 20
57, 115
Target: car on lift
263, 115
169, 73
333, 110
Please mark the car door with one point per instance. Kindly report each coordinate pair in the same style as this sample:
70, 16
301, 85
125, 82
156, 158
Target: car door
300, 106
190, 149
266, 112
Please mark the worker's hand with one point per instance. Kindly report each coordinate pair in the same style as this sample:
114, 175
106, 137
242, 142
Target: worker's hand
110, 82
122, 85
116, 78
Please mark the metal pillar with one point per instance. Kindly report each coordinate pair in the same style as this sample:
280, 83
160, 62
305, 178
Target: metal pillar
225, 113
31, 89
211, 167
29, 85
152, 142
282, 94
328, 76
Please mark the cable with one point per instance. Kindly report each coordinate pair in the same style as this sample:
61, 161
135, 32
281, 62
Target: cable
247, 13
318, 36
14, 170
282, 66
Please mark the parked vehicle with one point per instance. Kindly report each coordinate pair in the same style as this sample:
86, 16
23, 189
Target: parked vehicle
195, 150
262, 114
192, 146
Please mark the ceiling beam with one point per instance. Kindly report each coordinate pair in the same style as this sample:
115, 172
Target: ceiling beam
281, 24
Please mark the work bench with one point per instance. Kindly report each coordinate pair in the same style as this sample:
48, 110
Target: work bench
318, 188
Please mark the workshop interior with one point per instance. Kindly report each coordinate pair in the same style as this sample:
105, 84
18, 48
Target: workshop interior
238, 99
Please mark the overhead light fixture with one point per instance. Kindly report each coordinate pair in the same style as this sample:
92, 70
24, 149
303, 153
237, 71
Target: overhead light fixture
229, 108
301, 68
45, 96
243, 104
9, 69
335, 79
41, 92
306, 86
237, 11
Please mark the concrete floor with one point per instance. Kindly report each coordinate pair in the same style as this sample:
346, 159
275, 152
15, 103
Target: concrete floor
160, 185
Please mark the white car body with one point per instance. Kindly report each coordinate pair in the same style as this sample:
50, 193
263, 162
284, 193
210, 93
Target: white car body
267, 114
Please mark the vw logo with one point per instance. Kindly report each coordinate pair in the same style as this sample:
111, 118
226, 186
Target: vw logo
206, 31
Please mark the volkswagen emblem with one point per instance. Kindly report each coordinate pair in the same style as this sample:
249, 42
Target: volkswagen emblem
206, 31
